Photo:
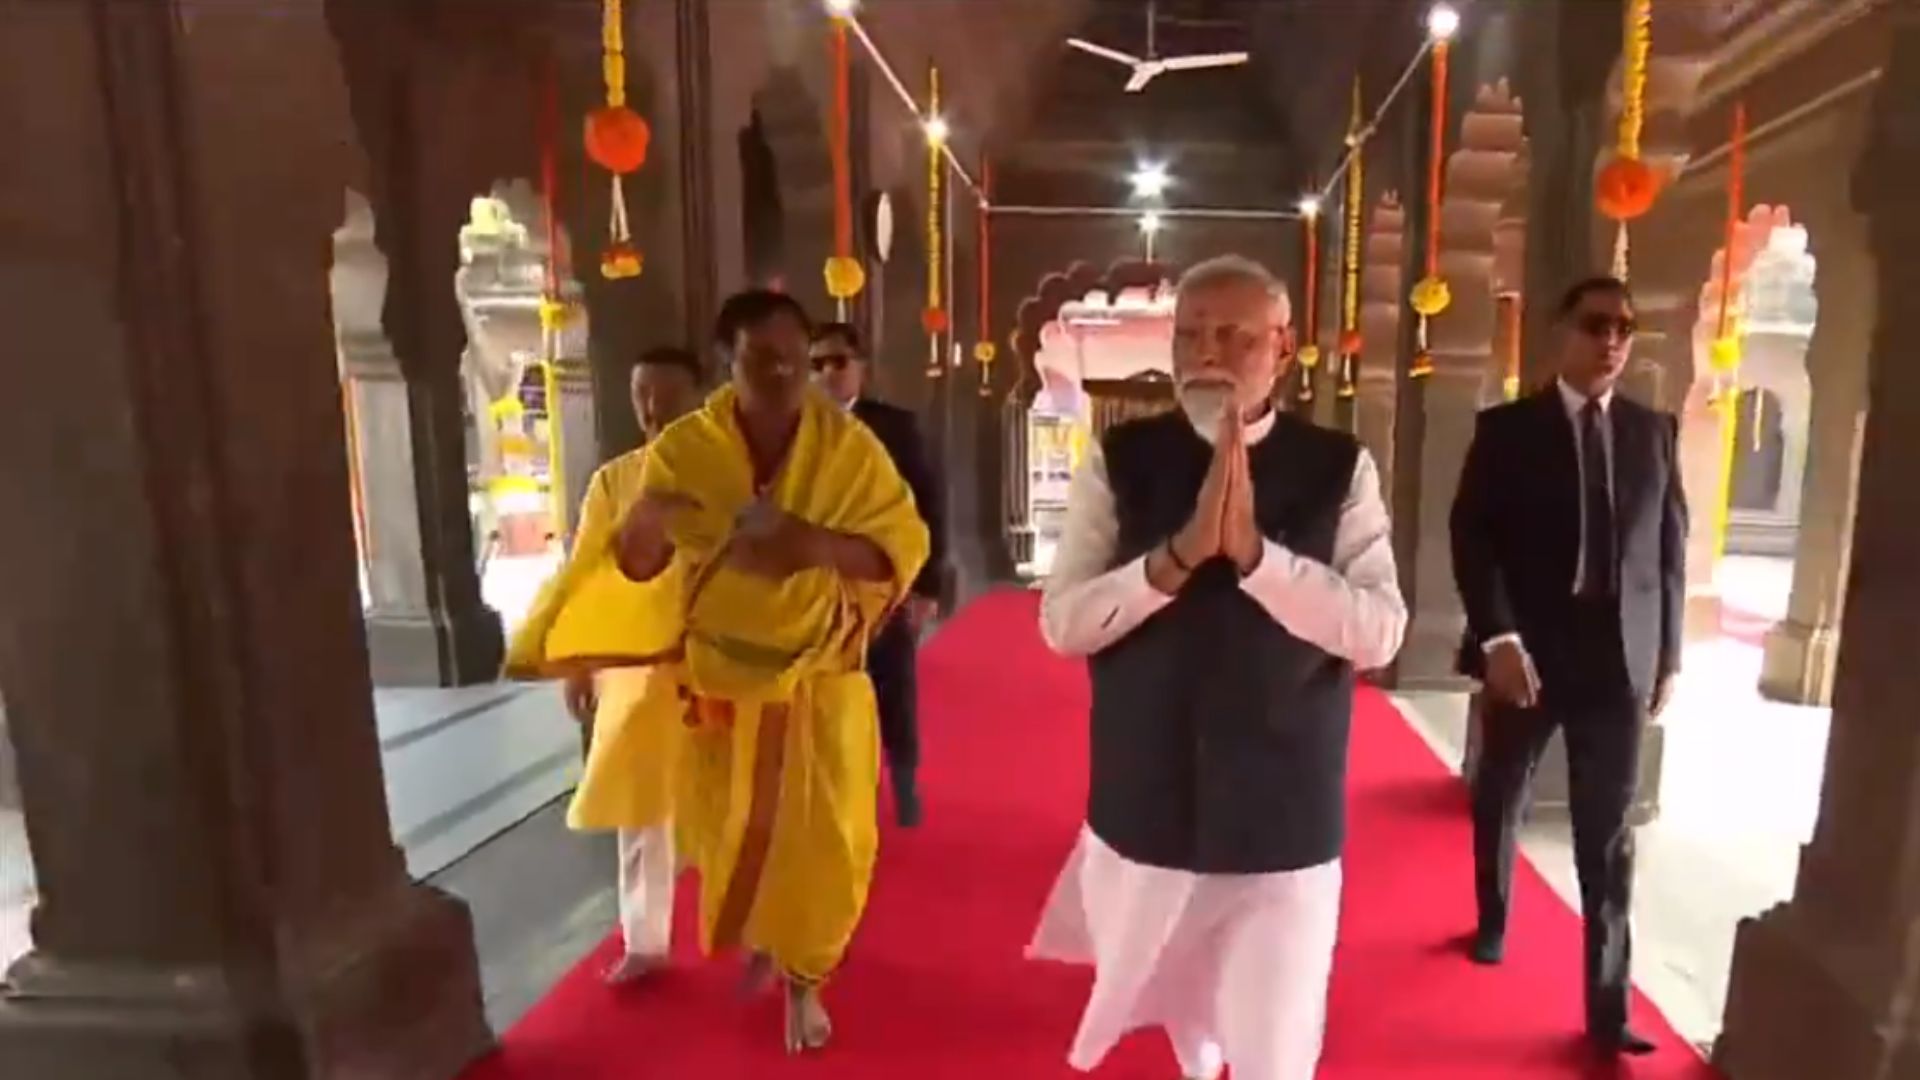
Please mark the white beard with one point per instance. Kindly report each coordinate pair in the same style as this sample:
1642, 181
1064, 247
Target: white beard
1205, 403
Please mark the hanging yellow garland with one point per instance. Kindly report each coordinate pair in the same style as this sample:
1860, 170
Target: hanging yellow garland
1430, 295
1628, 187
1725, 351
1356, 193
933, 318
617, 139
1309, 353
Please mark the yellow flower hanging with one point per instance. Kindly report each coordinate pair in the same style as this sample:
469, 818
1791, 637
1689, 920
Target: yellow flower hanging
1309, 356
1725, 354
1431, 296
845, 277
985, 352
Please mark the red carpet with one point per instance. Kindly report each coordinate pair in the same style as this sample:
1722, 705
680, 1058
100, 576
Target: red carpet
936, 986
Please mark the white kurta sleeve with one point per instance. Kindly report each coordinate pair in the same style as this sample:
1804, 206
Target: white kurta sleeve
1085, 606
1351, 608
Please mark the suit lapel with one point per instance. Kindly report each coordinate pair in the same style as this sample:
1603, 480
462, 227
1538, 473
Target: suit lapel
1632, 457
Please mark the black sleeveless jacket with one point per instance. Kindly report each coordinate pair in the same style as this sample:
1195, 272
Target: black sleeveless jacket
1220, 739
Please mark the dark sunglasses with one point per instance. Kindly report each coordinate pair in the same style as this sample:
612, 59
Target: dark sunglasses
831, 361
1596, 324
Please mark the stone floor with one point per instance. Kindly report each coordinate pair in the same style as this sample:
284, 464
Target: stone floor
1738, 795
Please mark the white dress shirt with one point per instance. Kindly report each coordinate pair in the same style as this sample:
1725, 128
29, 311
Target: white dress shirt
1576, 403
1350, 607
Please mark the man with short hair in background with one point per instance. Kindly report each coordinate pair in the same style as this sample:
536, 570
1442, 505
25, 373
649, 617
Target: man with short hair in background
841, 368
665, 384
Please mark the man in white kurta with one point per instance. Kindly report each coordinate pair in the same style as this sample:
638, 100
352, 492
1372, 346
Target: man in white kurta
1233, 965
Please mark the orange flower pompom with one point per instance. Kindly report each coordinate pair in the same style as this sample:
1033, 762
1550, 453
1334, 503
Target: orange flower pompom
1351, 343
934, 320
1626, 189
617, 139
621, 260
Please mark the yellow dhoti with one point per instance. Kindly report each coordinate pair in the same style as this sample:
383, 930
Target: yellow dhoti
757, 703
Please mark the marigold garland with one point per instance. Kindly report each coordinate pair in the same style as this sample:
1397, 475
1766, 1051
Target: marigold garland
1309, 354
617, 139
1628, 187
1430, 295
1356, 191
845, 277
933, 319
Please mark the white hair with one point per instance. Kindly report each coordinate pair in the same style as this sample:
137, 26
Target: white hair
1236, 270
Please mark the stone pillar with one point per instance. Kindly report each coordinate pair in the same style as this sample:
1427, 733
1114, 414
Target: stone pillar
219, 894
1382, 298
1568, 50
1826, 984
1478, 176
1801, 650
426, 625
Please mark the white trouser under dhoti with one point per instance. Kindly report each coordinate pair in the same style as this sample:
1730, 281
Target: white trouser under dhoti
646, 890
1234, 967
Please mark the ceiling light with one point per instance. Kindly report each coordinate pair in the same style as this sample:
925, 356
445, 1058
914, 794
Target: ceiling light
937, 130
1150, 223
1310, 207
842, 7
1150, 181
1443, 22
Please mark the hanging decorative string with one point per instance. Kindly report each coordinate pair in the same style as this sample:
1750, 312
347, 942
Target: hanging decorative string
1356, 193
933, 318
553, 305
844, 274
617, 139
1431, 296
1309, 354
1726, 348
1512, 311
1628, 187
984, 350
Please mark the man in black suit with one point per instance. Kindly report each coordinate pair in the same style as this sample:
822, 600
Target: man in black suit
840, 368
1569, 541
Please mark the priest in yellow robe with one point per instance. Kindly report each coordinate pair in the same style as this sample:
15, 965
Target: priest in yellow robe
633, 713
793, 538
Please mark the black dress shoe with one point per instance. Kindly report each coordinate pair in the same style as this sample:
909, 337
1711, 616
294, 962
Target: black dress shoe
1488, 950
1624, 1041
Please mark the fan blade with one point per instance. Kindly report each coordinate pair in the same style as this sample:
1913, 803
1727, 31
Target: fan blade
1211, 60
1143, 74
1102, 52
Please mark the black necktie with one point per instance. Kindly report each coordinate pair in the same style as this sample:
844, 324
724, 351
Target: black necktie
1598, 539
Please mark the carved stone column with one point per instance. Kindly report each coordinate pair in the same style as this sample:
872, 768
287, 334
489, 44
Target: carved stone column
1801, 650
1826, 984
220, 897
1382, 298
413, 636
1478, 178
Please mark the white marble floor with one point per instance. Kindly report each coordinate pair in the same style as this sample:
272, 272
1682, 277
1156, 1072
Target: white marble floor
1739, 792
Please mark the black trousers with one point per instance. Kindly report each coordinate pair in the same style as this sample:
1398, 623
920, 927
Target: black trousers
1600, 718
891, 660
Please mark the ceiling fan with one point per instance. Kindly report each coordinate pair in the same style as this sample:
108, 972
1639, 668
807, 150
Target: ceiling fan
1150, 67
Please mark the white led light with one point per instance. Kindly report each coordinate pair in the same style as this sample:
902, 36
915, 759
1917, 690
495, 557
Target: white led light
937, 130
1310, 206
842, 7
1150, 181
1150, 223
1443, 22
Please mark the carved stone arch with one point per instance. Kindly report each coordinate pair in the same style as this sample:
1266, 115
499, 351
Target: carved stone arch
1042, 306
